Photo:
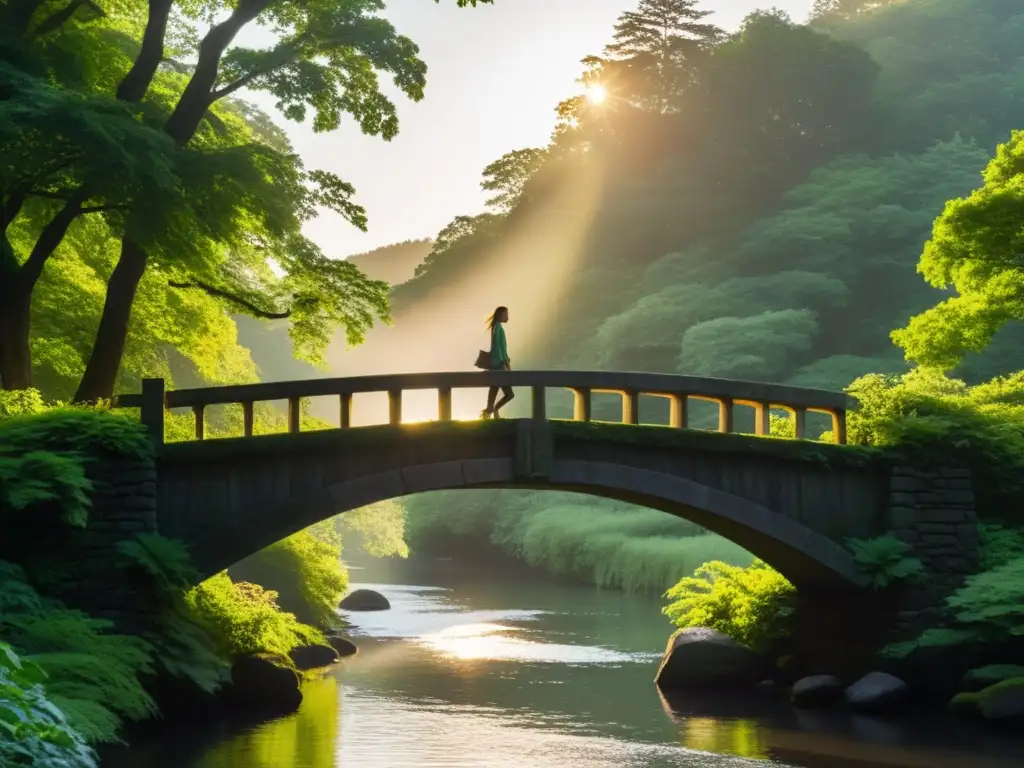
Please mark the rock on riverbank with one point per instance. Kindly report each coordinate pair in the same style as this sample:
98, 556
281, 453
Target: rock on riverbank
705, 658
364, 600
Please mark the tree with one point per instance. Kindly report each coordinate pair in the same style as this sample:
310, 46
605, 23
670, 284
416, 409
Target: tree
662, 42
785, 98
760, 347
508, 175
332, 52
977, 248
845, 9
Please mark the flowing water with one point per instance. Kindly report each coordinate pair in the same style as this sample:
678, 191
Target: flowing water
472, 668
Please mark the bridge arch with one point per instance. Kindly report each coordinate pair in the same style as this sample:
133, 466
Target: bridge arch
261, 508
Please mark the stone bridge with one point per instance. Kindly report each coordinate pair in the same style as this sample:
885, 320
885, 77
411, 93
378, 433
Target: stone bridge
792, 502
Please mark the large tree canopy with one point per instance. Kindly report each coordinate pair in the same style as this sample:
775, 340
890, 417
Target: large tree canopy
199, 189
977, 249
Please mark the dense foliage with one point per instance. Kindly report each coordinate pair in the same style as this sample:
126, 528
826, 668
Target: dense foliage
607, 543
767, 231
305, 572
244, 618
33, 731
92, 675
752, 605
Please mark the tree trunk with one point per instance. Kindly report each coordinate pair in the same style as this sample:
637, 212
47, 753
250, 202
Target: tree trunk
135, 84
105, 359
15, 354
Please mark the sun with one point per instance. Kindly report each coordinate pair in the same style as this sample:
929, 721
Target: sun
596, 94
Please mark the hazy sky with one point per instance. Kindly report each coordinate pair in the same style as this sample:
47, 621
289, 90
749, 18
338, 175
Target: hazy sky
495, 75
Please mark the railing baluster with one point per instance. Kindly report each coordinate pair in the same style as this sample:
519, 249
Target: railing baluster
444, 404
345, 406
154, 403
725, 415
630, 407
763, 419
677, 411
395, 406
540, 403
198, 411
581, 404
247, 418
799, 422
839, 427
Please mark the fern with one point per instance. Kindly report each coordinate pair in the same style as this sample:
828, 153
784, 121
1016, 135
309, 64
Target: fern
184, 646
884, 560
33, 729
999, 545
94, 673
751, 605
165, 561
84, 430
245, 619
987, 609
20, 402
28, 480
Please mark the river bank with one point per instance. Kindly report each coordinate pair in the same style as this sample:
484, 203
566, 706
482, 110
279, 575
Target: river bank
473, 668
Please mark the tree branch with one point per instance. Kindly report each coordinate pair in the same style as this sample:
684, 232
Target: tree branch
238, 84
222, 294
9, 210
58, 19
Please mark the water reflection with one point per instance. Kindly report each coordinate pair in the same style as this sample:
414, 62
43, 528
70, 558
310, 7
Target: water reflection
743, 738
480, 671
304, 740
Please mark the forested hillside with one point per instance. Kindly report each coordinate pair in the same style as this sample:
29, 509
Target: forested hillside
394, 264
760, 215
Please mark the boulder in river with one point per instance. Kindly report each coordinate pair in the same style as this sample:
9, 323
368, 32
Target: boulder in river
265, 682
705, 658
816, 691
877, 693
364, 600
313, 656
342, 645
1002, 703
981, 678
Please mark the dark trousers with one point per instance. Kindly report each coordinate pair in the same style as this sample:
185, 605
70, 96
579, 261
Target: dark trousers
492, 393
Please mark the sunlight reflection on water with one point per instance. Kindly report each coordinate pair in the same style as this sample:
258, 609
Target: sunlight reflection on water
426, 616
492, 641
417, 734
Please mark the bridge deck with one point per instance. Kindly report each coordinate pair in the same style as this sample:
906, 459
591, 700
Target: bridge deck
678, 390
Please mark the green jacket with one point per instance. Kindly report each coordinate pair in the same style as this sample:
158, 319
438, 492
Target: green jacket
499, 350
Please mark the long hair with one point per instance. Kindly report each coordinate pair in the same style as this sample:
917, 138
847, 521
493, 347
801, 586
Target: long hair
493, 319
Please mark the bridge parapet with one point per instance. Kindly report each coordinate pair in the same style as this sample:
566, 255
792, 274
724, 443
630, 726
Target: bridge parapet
630, 386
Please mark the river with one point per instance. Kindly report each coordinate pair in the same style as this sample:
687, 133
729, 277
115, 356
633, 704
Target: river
473, 668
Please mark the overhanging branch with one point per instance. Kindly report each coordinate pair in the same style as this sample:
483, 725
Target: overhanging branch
59, 18
219, 293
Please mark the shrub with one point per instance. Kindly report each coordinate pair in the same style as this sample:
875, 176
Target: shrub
929, 415
752, 605
244, 618
884, 560
304, 570
33, 730
92, 675
184, 646
987, 609
20, 402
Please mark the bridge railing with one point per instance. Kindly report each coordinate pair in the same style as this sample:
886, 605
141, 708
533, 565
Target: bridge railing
155, 399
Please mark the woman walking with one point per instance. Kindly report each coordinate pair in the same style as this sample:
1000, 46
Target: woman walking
499, 362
